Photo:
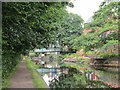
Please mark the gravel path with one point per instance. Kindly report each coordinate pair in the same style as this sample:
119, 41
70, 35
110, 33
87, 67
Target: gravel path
22, 78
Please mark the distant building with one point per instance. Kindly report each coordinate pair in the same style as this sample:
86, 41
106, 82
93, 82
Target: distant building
88, 21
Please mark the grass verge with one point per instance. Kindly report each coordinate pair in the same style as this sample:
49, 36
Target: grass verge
37, 80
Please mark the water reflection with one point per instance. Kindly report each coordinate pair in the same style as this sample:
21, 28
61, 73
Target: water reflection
49, 74
110, 77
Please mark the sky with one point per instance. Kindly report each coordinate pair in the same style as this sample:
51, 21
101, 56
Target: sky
85, 8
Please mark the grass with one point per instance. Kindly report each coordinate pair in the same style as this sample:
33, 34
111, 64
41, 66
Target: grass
37, 80
35, 65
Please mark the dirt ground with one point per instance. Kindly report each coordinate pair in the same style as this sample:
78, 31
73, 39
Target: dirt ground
22, 78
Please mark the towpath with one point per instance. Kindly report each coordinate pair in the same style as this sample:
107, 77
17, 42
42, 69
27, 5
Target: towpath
22, 78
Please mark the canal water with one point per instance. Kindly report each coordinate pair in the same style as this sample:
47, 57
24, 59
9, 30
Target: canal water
110, 77
49, 74
48, 70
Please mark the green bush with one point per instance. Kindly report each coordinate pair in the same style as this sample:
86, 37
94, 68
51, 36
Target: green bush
32, 54
9, 66
75, 80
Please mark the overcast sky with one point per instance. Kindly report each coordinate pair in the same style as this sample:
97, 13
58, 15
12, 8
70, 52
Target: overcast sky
85, 8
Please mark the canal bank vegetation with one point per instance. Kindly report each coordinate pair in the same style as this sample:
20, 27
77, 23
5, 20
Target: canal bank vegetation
102, 38
75, 79
83, 67
35, 65
27, 26
100, 46
6, 83
37, 80
76, 76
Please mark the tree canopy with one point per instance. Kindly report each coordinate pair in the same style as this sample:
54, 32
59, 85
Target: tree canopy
28, 25
70, 28
104, 29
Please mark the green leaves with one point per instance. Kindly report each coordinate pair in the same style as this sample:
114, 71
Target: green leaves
28, 25
70, 28
73, 80
104, 27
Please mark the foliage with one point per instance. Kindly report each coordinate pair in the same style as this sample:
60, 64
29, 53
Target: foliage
70, 28
59, 59
6, 82
32, 54
80, 62
75, 80
8, 64
74, 55
27, 25
105, 20
110, 42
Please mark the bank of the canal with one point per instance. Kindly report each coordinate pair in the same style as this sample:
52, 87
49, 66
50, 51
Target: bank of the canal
49, 72
107, 73
37, 79
111, 78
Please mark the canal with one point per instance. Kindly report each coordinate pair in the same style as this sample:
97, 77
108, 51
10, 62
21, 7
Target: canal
109, 75
48, 74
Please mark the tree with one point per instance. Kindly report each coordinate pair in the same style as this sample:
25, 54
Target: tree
70, 28
103, 28
27, 25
